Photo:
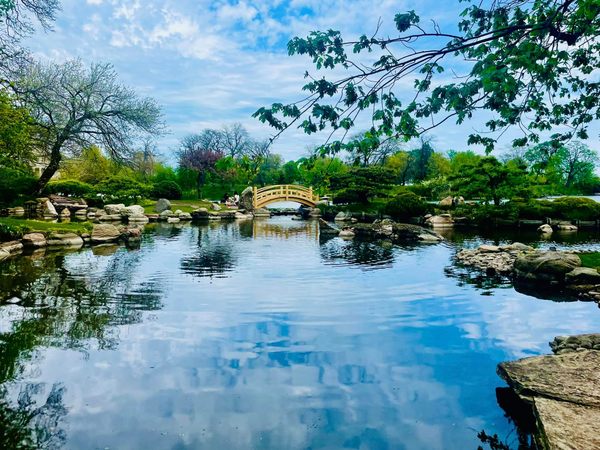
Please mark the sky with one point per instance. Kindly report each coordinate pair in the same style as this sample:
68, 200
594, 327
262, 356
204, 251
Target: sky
211, 63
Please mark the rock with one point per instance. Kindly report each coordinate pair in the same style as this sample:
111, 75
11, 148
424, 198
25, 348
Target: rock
343, 216
547, 267
545, 229
114, 209
214, 217
12, 247
4, 254
445, 202
215, 207
489, 249
242, 216
178, 212
104, 233
347, 233
91, 215
566, 227
184, 216
81, 214
173, 220
564, 392
460, 200
166, 214
428, 238
582, 276
440, 221
247, 199
162, 205
109, 218
152, 217
262, 212
133, 210
65, 213
64, 240
326, 229
395, 232
34, 240
139, 219
200, 214
19, 211
48, 209
516, 247
566, 344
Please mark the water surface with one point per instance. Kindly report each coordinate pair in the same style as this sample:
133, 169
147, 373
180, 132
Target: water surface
262, 335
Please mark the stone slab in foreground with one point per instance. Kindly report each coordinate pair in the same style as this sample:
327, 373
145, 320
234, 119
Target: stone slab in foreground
564, 392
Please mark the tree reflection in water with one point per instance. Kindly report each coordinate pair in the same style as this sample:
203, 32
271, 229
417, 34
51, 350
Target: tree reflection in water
49, 300
371, 255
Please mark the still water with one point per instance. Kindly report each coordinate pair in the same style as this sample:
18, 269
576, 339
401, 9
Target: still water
261, 335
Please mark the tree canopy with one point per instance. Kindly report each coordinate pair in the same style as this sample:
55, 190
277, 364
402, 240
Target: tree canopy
527, 62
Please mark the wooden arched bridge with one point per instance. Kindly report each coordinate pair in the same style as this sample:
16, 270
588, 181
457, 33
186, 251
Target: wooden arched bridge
283, 193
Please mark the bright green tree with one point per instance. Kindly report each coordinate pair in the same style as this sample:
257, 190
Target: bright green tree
361, 184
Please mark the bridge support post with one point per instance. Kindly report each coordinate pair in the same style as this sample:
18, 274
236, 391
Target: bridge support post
254, 193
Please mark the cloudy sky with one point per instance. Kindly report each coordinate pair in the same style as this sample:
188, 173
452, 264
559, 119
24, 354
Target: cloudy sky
214, 62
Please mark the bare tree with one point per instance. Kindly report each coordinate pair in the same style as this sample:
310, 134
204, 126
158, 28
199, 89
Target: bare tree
79, 106
200, 153
17, 18
234, 140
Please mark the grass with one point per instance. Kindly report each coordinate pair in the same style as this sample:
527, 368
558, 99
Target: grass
590, 260
184, 205
31, 226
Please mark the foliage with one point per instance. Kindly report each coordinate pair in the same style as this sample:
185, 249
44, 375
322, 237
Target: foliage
84, 106
531, 62
590, 260
366, 149
10, 232
30, 226
406, 205
15, 185
18, 134
166, 189
121, 189
361, 184
89, 166
70, 188
490, 180
576, 208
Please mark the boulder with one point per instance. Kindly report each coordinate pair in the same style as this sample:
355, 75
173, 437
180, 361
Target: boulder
64, 240
173, 220
568, 344
563, 392
109, 218
242, 216
178, 212
545, 229
200, 214
447, 201
582, 276
440, 221
489, 249
139, 219
184, 216
566, 227
12, 247
215, 207
105, 233
153, 217
546, 267
166, 214
247, 199
133, 210
262, 212
162, 205
65, 213
347, 233
19, 211
114, 209
34, 240
48, 209
326, 229
4, 254
343, 216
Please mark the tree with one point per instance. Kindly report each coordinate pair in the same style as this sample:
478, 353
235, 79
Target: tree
361, 184
420, 160
366, 149
489, 179
526, 62
234, 140
196, 153
78, 106
90, 166
17, 19
399, 163
18, 135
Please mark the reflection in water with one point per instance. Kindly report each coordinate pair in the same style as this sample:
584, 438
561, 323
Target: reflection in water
259, 335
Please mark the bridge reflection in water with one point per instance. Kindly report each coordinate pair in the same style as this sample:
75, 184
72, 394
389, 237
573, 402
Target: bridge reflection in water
285, 228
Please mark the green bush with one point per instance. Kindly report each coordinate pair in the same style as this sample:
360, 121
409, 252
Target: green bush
15, 186
405, 206
121, 189
166, 189
576, 208
11, 232
70, 188
534, 209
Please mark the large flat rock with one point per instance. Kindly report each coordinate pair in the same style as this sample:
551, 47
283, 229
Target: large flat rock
564, 391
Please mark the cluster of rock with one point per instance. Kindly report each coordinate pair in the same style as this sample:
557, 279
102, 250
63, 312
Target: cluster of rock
546, 229
562, 391
493, 258
101, 234
387, 229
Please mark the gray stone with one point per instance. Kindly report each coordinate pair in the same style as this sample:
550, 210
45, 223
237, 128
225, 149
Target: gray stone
447, 201
545, 229
104, 233
326, 229
489, 248
582, 275
48, 209
114, 209
566, 227
139, 219
133, 210
4, 254
242, 216
184, 216
65, 213
12, 247
109, 218
162, 205
34, 240
343, 216
262, 212
548, 267
166, 213
347, 233
64, 240
440, 221
173, 220
215, 207
247, 199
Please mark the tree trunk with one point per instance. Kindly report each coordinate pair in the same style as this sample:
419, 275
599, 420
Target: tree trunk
51, 169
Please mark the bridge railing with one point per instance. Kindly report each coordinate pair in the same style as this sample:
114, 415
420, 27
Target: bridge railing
284, 192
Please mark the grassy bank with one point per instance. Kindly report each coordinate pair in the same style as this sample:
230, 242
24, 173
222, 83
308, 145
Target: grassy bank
14, 228
184, 205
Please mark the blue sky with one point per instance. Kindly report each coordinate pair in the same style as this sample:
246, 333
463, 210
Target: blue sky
211, 63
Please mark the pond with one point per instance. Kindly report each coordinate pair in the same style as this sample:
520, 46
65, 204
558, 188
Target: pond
262, 335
